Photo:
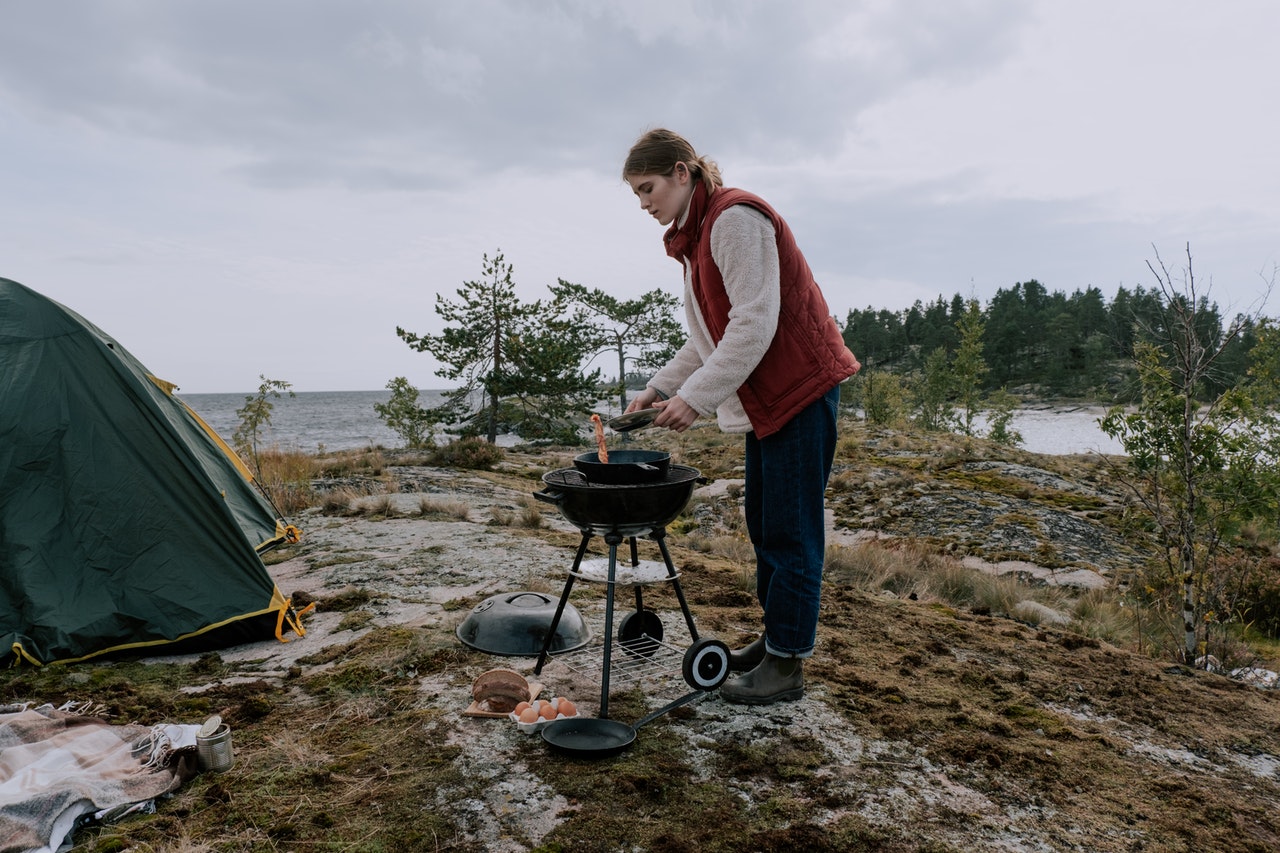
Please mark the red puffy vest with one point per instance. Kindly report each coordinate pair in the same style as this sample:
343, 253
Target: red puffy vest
808, 356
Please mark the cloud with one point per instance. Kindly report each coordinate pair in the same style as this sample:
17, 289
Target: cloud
310, 173
483, 84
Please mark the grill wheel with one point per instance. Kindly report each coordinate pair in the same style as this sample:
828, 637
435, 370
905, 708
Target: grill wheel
706, 664
640, 632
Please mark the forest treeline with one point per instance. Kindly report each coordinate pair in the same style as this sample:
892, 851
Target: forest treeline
1078, 345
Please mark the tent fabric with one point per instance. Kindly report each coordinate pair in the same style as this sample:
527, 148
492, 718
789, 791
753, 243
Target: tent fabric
125, 523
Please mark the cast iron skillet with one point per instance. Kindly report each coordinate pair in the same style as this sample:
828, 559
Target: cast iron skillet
589, 737
625, 467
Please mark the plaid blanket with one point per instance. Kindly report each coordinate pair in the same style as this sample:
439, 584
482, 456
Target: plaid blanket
60, 770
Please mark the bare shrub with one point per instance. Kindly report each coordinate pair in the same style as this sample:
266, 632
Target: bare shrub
470, 452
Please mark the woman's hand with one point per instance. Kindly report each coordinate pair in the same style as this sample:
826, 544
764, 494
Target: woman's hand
643, 400
676, 414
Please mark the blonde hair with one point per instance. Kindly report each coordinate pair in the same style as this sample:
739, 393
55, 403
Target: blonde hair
658, 152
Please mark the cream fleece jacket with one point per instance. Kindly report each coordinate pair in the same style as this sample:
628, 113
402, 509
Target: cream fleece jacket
707, 377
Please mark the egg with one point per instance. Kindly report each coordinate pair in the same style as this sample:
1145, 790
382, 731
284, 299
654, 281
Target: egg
568, 708
520, 708
529, 715
547, 712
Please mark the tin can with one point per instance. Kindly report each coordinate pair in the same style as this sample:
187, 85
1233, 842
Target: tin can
213, 751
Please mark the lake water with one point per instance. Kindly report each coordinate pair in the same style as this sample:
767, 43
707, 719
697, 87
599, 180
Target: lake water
345, 420
1060, 430
338, 420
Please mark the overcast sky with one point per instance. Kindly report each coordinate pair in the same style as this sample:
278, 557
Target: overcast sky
270, 187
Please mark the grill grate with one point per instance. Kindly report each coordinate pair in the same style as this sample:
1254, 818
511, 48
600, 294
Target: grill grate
642, 661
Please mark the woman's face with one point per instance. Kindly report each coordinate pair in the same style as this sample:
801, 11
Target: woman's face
664, 197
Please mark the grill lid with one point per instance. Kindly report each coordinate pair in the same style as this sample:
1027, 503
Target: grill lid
516, 624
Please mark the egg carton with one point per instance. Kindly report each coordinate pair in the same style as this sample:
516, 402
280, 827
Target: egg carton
541, 723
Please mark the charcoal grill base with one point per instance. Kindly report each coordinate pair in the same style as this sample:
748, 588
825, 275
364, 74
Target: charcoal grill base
642, 656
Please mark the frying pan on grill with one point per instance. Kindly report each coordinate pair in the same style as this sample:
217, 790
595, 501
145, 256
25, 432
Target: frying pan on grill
625, 467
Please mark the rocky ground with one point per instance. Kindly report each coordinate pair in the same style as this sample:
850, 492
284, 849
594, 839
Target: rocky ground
925, 727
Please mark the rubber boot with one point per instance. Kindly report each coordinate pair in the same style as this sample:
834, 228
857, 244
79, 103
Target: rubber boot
776, 679
748, 657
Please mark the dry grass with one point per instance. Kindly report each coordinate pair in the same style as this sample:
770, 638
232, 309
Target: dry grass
527, 515
448, 507
903, 569
380, 506
1102, 614
285, 476
339, 501
735, 549
907, 567
910, 571
345, 463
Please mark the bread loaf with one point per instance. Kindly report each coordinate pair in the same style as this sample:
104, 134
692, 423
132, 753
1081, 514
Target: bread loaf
500, 690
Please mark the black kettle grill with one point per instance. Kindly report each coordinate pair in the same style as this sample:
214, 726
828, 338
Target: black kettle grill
624, 513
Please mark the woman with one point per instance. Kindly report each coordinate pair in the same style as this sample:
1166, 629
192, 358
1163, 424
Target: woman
766, 358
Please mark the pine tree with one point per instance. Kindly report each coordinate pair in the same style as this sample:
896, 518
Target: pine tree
507, 351
642, 332
968, 369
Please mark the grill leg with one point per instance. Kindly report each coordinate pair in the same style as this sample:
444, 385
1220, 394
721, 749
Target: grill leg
614, 541
564, 599
660, 536
635, 561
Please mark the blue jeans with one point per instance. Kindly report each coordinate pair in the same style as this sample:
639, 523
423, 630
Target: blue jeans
786, 483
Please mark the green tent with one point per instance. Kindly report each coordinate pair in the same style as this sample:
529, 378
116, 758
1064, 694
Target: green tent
126, 524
